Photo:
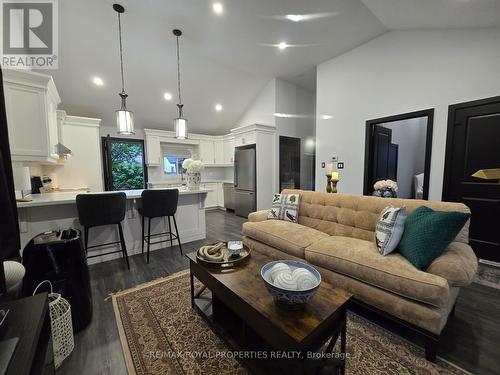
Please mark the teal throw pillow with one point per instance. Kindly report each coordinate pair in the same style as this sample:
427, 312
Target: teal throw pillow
428, 233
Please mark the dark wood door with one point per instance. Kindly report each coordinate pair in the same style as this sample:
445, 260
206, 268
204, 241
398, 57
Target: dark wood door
289, 163
473, 143
392, 162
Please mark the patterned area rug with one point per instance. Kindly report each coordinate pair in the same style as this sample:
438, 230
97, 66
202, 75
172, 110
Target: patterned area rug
161, 334
488, 276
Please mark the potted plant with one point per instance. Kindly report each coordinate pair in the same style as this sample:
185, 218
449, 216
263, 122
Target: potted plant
385, 189
193, 175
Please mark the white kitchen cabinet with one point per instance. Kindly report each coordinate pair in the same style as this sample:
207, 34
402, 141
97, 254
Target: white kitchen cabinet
219, 152
153, 151
228, 146
211, 200
31, 101
244, 139
206, 151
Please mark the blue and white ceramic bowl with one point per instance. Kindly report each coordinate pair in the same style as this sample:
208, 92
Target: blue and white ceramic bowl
291, 299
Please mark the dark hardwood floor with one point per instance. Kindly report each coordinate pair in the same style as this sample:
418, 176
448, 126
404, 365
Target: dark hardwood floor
471, 339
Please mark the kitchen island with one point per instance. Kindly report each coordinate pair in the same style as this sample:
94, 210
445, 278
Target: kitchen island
55, 211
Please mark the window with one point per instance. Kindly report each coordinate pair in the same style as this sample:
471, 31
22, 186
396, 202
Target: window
124, 164
172, 165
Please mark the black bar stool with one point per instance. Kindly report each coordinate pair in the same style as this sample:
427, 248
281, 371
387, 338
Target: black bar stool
159, 203
95, 210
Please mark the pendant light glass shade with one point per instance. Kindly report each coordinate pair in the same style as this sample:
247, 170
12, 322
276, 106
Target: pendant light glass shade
180, 128
124, 117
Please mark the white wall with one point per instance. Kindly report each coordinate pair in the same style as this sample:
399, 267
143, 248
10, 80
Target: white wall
299, 102
398, 72
410, 136
261, 110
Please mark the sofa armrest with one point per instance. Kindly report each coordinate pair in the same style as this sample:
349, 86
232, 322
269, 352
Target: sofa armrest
258, 215
458, 264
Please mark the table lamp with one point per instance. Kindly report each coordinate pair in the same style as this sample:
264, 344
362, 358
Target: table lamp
22, 181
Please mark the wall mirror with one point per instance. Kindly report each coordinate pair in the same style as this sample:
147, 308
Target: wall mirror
398, 148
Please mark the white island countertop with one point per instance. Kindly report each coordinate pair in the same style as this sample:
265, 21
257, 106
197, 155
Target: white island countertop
69, 197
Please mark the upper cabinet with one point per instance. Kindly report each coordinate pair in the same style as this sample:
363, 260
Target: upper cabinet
31, 101
228, 150
206, 151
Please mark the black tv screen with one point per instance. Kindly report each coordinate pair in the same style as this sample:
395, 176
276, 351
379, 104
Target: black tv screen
9, 226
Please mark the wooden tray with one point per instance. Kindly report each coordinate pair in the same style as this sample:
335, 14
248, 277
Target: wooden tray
227, 262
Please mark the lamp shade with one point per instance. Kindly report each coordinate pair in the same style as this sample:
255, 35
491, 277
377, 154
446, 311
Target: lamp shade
125, 121
180, 128
22, 180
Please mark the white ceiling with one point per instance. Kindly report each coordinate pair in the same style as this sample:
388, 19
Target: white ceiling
436, 14
224, 57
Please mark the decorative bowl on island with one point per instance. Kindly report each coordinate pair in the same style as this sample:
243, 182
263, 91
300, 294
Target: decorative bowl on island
290, 282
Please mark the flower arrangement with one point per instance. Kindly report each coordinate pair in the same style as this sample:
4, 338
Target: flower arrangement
385, 188
192, 166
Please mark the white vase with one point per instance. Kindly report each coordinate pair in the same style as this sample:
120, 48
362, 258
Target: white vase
193, 180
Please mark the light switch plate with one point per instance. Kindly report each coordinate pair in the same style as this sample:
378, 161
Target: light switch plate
323, 164
340, 165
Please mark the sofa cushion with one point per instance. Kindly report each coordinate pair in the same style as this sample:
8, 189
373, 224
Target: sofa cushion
458, 264
428, 233
389, 229
288, 237
361, 260
285, 207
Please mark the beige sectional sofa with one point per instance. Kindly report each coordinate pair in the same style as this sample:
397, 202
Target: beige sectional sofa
335, 233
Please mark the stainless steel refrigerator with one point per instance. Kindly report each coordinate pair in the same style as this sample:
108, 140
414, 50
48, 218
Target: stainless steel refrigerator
245, 180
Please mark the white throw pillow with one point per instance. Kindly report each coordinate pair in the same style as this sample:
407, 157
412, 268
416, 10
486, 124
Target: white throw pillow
285, 207
390, 228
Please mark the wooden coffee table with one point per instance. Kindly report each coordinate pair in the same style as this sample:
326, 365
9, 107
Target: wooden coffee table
274, 340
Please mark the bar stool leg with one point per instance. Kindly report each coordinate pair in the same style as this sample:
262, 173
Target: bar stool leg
149, 237
124, 247
170, 232
177, 233
86, 230
142, 236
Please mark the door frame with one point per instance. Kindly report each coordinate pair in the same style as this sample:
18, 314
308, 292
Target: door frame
452, 109
370, 125
107, 172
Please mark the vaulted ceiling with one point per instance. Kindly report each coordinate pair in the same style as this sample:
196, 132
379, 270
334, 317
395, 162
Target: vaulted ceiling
225, 58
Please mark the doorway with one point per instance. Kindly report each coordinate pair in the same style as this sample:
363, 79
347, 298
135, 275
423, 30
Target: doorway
124, 164
289, 154
398, 148
472, 144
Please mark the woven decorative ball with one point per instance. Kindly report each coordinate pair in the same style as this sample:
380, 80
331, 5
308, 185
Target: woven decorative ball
304, 279
277, 269
285, 280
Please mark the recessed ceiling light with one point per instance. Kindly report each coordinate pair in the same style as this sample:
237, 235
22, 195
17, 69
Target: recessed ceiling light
167, 96
218, 8
218, 107
97, 81
283, 115
326, 117
282, 45
295, 17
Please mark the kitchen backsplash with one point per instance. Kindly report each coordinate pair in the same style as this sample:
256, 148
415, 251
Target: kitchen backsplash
156, 174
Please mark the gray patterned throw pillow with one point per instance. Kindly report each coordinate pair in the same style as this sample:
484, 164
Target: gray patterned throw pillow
285, 207
390, 228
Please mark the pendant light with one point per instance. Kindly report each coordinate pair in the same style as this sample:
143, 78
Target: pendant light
124, 117
180, 123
